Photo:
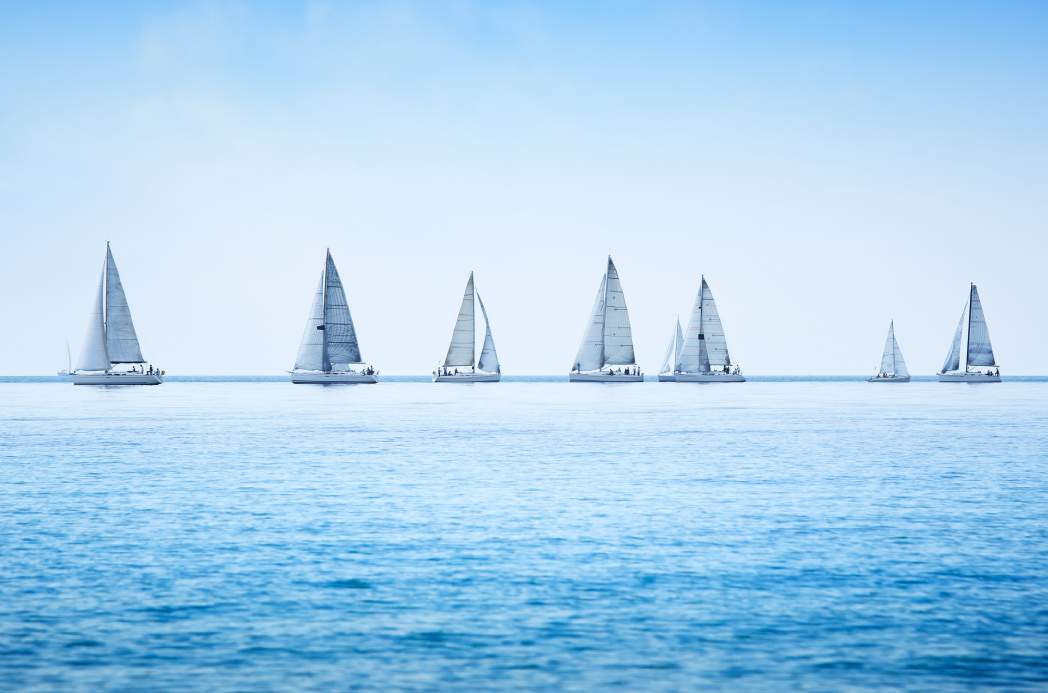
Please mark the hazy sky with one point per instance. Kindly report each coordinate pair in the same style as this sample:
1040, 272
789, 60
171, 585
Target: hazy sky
827, 165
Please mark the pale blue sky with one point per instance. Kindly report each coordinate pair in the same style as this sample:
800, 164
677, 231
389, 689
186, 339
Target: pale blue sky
828, 166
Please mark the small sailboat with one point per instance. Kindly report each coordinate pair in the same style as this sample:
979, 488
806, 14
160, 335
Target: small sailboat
462, 350
970, 349
68, 370
608, 341
329, 348
705, 358
673, 351
893, 365
111, 354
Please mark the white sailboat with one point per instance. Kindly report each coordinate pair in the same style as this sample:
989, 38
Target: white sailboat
705, 358
608, 342
329, 348
462, 350
893, 365
970, 349
68, 370
673, 352
111, 354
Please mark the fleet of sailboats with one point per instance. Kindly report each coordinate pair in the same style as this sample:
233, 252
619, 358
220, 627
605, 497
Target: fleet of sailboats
608, 342
971, 350
330, 352
329, 348
893, 365
111, 354
462, 350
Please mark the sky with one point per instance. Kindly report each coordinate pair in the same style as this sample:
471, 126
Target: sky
828, 166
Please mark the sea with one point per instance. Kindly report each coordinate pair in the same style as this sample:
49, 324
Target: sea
783, 534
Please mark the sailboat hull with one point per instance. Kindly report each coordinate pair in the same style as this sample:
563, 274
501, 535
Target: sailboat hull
333, 379
604, 378
667, 378
116, 379
892, 379
968, 378
709, 378
468, 378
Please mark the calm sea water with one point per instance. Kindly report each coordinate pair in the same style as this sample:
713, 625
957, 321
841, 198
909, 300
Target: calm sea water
259, 535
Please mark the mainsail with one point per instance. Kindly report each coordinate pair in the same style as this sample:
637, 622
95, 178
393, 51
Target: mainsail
705, 347
980, 351
111, 336
489, 360
608, 340
330, 339
462, 350
892, 361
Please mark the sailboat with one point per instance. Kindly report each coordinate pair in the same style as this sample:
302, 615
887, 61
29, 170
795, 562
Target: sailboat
673, 351
68, 370
111, 354
329, 348
608, 341
705, 358
462, 350
971, 347
893, 365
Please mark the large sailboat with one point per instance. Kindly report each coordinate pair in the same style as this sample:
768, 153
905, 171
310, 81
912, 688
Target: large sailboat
463, 349
111, 354
705, 358
970, 349
673, 352
893, 365
329, 348
608, 342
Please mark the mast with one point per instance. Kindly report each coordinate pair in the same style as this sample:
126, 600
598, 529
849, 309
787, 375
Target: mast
968, 327
105, 306
891, 328
604, 313
325, 365
702, 321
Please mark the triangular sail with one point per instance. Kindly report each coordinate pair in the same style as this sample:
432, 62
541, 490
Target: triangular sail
341, 347
591, 351
121, 340
980, 351
673, 349
678, 347
892, 361
618, 337
93, 355
462, 350
953, 358
311, 350
716, 344
705, 346
489, 360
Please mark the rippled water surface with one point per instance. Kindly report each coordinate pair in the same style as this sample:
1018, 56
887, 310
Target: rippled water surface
259, 535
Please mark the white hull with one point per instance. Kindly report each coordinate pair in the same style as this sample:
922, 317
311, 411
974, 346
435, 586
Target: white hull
604, 378
116, 379
667, 378
708, 378
968, 378
892, 379
468, 378
332, 378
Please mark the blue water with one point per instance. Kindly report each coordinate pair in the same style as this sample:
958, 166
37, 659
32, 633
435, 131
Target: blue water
257, 535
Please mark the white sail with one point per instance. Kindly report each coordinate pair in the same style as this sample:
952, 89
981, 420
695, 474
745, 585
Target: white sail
618, 337
121, 340
673, 350
311, 350
340, 337
93, 355
892, 361
462, 350
705, 347
591, 351
489, 360
953, 358
980, 351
